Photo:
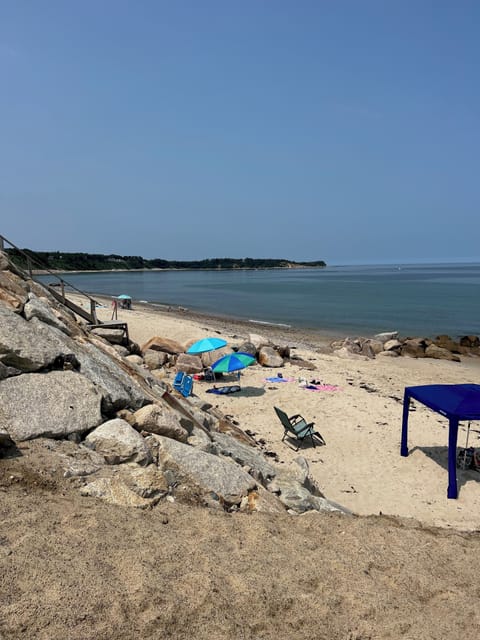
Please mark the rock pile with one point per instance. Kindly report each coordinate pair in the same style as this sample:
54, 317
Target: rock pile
391, 345
109, 420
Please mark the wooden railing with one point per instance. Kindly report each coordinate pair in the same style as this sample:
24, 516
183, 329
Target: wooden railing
33, 262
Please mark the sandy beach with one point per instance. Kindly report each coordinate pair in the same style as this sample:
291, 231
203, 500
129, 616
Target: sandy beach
359, 415
179, 570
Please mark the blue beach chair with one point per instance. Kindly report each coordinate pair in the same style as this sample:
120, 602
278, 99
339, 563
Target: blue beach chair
178, 380
187, 386
183, 384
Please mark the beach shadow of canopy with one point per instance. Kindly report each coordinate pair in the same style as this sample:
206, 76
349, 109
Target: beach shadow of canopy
440, 456
457, 402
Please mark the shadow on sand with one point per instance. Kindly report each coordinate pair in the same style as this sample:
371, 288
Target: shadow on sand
305, 444
440, 456
251, 392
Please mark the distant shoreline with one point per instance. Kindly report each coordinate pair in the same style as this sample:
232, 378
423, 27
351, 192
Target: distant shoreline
46, 272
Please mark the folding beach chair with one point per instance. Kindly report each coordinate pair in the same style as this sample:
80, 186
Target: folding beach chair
178, 380
297, 427
187, 386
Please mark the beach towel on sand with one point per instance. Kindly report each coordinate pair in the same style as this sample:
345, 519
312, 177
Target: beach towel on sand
279, 379
224, 390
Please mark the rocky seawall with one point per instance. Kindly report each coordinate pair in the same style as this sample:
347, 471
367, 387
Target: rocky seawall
98, 407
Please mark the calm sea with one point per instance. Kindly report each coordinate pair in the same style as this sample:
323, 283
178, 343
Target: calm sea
424, 300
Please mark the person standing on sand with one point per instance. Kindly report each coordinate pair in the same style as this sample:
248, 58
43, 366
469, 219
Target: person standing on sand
114, 309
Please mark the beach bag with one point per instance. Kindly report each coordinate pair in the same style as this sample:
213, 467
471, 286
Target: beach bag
465, 458
476, 460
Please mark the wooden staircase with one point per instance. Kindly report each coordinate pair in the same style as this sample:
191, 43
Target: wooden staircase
89, 316
58, 291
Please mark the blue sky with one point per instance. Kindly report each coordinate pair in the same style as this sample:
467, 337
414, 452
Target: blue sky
344, 130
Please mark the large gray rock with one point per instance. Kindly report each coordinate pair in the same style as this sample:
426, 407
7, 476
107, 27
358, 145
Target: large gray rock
446, 342
367, 350
432, 351
414, 347
375, 345
135, 360
296, 497
53, 404
157, 343
27, 346
244, 455
190, 415
203, 472
189, 363
13, 290
122, 351
248, 347
118, 442
160, 420
155, 359
201, 440
299, 471
268, 357
39, 308
34, 345
392, 345
62, 313
389, 354
132, 486
118, 388
4, 261
470, 342
346, 354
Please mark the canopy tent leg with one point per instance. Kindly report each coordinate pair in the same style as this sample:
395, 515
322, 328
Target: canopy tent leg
404, 444
452, 491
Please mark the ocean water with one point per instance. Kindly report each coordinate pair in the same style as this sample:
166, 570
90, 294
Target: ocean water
421, 300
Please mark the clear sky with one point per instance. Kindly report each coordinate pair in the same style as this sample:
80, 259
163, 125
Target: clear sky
342, 130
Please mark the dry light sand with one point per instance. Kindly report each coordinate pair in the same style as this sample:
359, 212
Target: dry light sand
78, 568
360, 467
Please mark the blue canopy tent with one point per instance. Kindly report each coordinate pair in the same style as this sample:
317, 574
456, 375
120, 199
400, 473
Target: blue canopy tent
454, 401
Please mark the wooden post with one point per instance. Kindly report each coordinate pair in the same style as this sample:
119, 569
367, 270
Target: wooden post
93, 311
63, 289
29, 266
2, 246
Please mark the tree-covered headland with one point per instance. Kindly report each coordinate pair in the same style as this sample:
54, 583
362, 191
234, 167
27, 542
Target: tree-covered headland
63, 261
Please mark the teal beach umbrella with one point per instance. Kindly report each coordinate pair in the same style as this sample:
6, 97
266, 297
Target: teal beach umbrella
206, 344
233, 362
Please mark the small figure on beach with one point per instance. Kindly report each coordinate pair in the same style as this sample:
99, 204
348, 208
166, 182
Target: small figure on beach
114, 309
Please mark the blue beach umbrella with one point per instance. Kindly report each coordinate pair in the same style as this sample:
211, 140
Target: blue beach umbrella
124, 297
233, 362
206, 344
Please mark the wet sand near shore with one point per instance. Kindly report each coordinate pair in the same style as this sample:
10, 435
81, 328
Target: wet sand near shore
359, 416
